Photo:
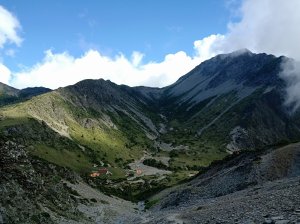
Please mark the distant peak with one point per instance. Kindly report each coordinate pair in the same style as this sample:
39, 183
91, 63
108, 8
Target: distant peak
234, 54
3, 84
7, 88
239, 52
243, 50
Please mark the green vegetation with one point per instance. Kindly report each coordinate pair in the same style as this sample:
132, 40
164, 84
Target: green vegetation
150, 203
195, 160
155, 163
76, 160
90, 141
61, 129
6, 99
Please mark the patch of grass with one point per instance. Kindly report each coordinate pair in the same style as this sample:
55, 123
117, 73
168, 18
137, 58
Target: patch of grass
179, 176
64, 158
196, 159
155, 163
104, 202
107, 145
8, 122
151, 203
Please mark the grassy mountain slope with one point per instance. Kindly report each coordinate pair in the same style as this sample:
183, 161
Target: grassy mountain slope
85, 127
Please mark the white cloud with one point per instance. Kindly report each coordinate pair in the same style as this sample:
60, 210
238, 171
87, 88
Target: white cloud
209, 46
63, 69
9, 26
269, 26
4, 74
291, 74
136, 58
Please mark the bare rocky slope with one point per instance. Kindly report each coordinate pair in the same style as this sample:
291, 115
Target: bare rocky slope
249, 188
36, 191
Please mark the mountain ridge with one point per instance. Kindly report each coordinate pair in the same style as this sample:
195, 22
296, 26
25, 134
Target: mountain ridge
227, 79
10, 95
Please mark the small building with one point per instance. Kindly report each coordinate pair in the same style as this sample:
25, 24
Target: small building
101, 171
95, 174
139, 171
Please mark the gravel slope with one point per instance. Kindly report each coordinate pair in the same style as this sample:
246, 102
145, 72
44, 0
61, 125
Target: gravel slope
256, 187
273, 202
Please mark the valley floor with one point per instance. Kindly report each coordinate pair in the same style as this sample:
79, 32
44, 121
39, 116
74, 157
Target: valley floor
273, 202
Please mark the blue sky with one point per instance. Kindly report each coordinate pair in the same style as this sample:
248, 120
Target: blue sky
57, 43
155, 28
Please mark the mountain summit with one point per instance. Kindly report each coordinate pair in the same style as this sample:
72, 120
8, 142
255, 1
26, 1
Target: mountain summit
235, 101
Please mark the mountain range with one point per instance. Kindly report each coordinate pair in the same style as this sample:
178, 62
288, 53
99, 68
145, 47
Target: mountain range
9, 95
228, 108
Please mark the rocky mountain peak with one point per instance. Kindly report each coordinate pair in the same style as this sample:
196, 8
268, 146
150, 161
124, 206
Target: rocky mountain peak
227, 72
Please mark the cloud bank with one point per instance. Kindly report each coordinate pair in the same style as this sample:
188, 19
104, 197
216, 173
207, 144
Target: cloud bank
291, 74
9, 27
61, 69
269, 26
4, 74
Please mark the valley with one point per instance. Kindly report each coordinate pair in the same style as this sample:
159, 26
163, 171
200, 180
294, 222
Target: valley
98, 152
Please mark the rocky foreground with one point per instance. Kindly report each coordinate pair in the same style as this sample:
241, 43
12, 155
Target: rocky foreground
34, 191
254, 187
274, 202
262, 187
